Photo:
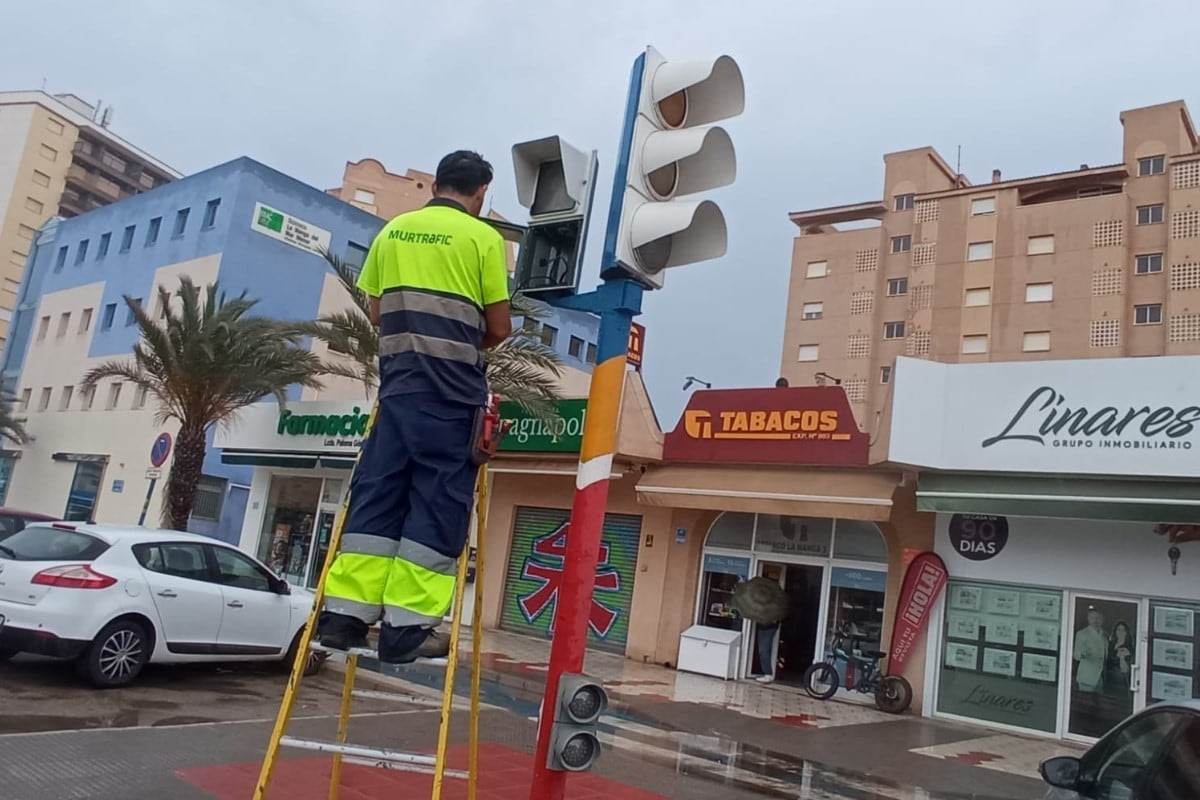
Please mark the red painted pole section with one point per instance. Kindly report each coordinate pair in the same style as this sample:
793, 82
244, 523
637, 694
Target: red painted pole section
583, 539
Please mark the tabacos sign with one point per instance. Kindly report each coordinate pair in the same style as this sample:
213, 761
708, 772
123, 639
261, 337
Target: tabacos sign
796, 425
1046, 418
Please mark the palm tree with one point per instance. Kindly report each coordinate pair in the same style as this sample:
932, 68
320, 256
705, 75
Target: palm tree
202, 362
521, 368
12, 427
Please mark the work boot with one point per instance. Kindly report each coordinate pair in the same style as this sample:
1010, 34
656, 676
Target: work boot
341, 632
405, 645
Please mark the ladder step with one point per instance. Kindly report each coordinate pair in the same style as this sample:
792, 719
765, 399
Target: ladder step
417, 768
368, 694
372, 756
363, 652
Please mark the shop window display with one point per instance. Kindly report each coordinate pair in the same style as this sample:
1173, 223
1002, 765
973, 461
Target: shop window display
288, 532
1000, 656
1174, 650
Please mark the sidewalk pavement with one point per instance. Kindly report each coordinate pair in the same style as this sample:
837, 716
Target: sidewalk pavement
845, 733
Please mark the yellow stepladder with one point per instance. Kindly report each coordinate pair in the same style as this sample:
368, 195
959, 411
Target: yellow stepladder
376, 756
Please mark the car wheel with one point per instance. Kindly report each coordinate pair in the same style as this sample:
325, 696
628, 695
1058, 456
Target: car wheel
116, 656
5, 655
311, 667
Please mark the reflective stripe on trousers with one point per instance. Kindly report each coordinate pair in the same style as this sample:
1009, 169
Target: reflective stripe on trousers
405, 582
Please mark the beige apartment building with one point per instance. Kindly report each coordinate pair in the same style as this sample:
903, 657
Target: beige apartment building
58, 157
1099, 261
368, 185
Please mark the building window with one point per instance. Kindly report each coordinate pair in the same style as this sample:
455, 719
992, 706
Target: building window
181, 218
1149, 314
49, 153
978, 297
575, 347
131, 315
139, 398
591, 353
893, 330
817, 269
1039, 292
127, 238
1150, 215
210, 214
24, 403
55, 126
979, 251
1036, 341
81, 500
41, 178
1148, 263
885, 374
86, 398
975, 344
64, 322
210, 497
110, 313
6, 315
34, 205
152, 231
64, 400
808, 352
549, 334
897, 287
61, 259
363, 196
356, 255
85, 320
1152, 165
114, 395
44, 401
901, 244
81, 253
114, 162
1040, 245
812, 310
25, 232
102, 250
904, 202
43, 328
983, 205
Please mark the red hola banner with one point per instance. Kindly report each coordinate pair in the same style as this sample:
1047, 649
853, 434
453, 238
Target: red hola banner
924, 581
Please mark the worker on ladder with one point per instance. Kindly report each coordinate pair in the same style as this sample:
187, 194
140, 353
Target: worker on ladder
437, 278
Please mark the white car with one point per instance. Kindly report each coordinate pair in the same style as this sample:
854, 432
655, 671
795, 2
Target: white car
115, 598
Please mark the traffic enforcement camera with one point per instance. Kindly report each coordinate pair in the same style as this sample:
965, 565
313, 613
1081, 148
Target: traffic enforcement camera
670, 150
574, 745
556, 182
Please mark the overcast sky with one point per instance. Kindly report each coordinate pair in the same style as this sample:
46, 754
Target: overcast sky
305, 85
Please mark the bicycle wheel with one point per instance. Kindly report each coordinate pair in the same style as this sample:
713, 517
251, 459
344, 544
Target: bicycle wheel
893, 695
821, 680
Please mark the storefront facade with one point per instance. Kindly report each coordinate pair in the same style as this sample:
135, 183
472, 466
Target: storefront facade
1054, 484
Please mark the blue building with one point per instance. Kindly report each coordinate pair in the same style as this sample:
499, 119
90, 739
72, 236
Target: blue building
243, 224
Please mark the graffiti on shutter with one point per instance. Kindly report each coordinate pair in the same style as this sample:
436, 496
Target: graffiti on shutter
535, 570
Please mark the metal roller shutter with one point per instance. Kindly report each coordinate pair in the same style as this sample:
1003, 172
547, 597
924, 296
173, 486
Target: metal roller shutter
535, 564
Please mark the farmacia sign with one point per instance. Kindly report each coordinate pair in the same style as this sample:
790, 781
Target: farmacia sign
346, 430
1046, 418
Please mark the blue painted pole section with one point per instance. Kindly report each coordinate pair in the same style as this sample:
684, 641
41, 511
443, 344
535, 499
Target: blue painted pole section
608, 258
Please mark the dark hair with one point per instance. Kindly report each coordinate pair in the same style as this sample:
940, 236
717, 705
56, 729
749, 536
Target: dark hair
782, 383
463, 172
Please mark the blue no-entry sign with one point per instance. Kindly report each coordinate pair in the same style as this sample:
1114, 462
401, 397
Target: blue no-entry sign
160, 450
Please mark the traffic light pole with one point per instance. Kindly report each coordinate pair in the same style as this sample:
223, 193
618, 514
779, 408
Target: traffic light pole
617, 302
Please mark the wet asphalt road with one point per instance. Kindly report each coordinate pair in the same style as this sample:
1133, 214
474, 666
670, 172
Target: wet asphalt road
221, 714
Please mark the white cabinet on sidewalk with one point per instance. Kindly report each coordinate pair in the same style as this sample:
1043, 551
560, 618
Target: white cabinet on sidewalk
710, 651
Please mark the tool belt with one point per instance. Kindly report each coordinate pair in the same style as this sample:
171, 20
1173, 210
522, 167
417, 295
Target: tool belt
487, 431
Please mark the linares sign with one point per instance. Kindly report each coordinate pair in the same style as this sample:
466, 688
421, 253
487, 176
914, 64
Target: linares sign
1128, 416
289, 230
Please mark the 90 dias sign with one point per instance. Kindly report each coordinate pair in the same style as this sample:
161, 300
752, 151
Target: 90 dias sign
978, 537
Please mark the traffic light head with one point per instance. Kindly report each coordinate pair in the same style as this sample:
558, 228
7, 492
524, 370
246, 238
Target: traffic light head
556, 182
574, 746
668, 152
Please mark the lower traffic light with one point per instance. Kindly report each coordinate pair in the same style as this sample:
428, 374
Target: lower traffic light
574, 745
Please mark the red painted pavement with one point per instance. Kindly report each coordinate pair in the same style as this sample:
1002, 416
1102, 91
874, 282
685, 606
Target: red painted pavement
504, 775
974, 757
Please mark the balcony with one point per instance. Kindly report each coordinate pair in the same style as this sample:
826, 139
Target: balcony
823, 220
91, 182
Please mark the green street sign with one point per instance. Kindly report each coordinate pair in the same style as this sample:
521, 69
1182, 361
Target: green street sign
531, 435
270, 219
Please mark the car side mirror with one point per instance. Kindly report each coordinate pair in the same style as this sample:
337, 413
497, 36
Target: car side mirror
281, 586
1061, 772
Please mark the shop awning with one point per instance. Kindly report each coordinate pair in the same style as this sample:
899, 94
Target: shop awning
567, 468
260, 458
827, 493
1122, 499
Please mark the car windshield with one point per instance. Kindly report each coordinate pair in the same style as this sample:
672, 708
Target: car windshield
44, 543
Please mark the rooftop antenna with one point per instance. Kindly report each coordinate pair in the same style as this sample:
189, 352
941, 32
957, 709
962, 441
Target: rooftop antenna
43, 85
958, 164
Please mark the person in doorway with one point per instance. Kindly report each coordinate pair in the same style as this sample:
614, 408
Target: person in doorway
438, 282
1091, 651
768, 631
1120, 659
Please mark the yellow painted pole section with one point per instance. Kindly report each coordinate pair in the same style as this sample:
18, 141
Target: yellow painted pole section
481, 512
302, 652
335, 779
439, 768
